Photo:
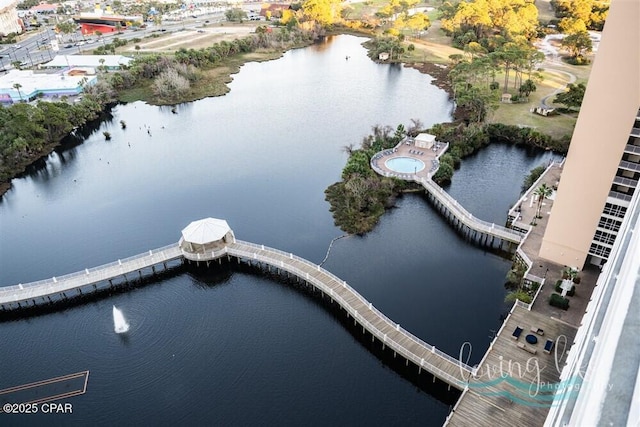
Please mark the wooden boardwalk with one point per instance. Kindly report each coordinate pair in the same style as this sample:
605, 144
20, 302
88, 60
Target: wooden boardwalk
450, 205
513, 387
388, 333
73, 282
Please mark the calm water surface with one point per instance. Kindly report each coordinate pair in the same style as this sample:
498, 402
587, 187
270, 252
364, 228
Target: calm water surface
228, 347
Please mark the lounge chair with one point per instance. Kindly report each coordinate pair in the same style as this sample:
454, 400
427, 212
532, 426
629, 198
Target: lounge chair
548, 346
516, 333
537, 331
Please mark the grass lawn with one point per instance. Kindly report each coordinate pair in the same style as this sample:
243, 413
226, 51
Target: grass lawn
520, 115
427, 51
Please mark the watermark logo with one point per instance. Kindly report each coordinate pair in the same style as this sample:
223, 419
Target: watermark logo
525, 382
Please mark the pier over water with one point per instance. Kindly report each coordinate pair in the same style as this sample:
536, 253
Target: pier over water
211, 240
483, 232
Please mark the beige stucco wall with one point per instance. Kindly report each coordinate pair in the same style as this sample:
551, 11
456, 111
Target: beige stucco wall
607, 115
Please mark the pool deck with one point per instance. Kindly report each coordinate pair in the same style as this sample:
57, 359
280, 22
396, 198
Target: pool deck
405, 149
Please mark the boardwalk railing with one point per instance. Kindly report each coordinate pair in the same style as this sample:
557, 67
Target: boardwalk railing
391, 334
454, 207
372, 319
56, 285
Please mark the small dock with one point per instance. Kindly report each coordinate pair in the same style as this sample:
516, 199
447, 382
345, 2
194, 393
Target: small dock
46, 390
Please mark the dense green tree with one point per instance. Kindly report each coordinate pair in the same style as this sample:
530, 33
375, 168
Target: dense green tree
235, 14
527, 87
533, 176
578, 44
572, 97
66, 27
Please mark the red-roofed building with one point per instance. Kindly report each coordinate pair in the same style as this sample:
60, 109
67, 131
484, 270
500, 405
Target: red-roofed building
44, 8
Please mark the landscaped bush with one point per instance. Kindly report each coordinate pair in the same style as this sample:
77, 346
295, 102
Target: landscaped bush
570, 293
557, 300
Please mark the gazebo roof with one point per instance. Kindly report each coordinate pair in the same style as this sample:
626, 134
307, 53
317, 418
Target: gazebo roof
205, 231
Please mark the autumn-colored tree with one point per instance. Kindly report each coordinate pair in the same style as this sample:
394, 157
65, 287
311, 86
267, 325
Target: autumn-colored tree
475, 21
580, 15
324, 12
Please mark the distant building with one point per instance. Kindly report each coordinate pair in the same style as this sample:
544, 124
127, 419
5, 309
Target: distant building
111, 62
9, 21
106, 21
32, 85
44, 8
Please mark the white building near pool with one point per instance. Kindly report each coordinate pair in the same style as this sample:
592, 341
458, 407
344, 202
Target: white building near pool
424, 140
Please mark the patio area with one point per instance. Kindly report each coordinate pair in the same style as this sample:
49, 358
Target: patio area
408, 149
550, 271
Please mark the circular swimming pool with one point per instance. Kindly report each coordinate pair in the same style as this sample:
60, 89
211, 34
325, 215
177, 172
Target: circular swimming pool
404, 165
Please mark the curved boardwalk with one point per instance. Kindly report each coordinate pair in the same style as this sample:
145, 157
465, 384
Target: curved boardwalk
363, 313
444, 201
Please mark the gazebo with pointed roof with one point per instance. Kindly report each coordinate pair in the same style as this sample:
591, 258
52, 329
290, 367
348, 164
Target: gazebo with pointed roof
206, 234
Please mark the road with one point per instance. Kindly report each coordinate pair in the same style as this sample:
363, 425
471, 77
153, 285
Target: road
35, 48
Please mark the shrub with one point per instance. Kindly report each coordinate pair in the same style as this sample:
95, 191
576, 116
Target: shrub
558, 301
521, 295
533, 176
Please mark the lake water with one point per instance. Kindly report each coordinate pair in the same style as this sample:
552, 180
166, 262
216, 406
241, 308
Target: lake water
226, 346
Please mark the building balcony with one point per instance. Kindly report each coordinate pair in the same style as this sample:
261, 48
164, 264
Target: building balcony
632, 149
635, 132
619, 196
630, 166
631, 183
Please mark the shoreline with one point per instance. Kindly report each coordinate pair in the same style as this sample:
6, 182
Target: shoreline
438, 72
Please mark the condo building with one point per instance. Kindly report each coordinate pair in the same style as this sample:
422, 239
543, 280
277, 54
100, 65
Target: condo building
602, 168
596, 218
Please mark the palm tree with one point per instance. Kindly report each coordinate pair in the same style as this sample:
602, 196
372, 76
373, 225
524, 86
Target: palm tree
17, 87
543, 192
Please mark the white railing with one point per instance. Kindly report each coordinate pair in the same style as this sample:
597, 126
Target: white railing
316, 275
322, 283
458, 210
92, 271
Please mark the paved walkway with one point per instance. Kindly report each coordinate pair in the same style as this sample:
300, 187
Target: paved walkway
552, 272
